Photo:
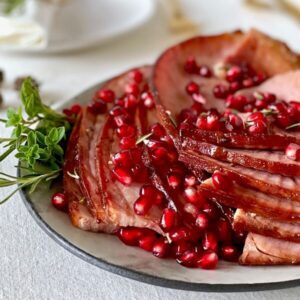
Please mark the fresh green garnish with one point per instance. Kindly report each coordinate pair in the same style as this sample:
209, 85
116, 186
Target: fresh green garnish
11, 5
38, 137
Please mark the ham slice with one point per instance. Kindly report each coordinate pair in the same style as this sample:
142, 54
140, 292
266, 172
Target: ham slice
270, 161
253, 201
262, 250
250, 222
264, 54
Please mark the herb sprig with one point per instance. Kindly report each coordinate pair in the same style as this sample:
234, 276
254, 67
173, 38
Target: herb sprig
38, 138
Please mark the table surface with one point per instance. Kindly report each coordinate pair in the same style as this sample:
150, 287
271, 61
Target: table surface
32, 266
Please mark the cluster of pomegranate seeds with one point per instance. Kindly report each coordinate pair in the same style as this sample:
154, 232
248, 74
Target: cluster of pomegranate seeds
74, 110
192, 67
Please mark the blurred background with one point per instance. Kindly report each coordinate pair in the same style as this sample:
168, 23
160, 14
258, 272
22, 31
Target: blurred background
69, 45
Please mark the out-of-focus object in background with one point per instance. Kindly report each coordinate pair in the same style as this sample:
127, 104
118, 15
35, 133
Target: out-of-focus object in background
178, 21
64, 25
292, 7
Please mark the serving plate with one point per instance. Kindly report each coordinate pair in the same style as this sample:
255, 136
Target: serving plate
107, 252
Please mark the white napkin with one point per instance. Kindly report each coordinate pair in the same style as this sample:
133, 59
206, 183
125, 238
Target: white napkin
33, 28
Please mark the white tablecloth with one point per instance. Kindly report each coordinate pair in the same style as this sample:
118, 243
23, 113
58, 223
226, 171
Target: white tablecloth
32, 266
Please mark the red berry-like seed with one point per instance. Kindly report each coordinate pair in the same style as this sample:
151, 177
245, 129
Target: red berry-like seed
117, 111
142, 205
220, 91
283, 120
201, 122
97, 107
229, 253
192, 195
130, 101
224, 230
121, 120
190, 180
148, 100
256, 116
122, 175
235, 86
209, 260
126, 131
188, 259
59, 201
180, 234
221, 181
179, 248
202, 221
139, 172
130, 235
191, 66
258, 127
209, 241
106, 95
136, 75
236, 102
127, 142
157, 131
122, 158
204, 71
292, 152
173, 180
234, 74
160, 249
132, 88
146, 243
192, 88
168, 219
153, 193
191, 209
76, 109
213, 122
235, 121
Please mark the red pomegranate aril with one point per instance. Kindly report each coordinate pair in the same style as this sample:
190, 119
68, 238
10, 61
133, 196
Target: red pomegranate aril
122, 158
191, 66
174, 180
192, 195
136, 75
209, 241
117, 111
258, 127
130, 235
204, 71
187, 115
280, 107
132, 88
157, 131
160, 154
198, 107
136, 155
192, 88
248, 83
76, 109
201, 122
190, 180
211, 210
220, 91
229, 253
153, 193
188, 259
179, 234
236, 102
172, 156
202, 221
146, 242
168, 219
224, 230
160, 248
248, 108
235, 86
106, 95
97, 107
130, 101
295, 104
213, 122
191, 209
260, 104
221, 181
292, 152
139, 173
122, 175
269, 97
59, 201
209, 260
148, 100
283, 120
122, 120
235, 121
126, 131
127, 142
234, 73
142, 205
181, 247
255, 117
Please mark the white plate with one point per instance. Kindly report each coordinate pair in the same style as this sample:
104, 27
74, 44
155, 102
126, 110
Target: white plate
97, 22
107, 252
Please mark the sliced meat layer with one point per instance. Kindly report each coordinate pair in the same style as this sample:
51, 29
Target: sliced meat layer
282, 186
250, 222
270, 161
264, 54
170, 79
253, 201
262, 250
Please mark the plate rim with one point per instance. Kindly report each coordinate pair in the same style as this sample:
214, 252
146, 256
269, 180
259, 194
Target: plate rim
138, 275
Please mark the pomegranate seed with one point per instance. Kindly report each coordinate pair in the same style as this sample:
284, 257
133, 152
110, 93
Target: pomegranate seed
153, 193
197, 107
139, 172
209, 260
106, 95
234, 73
220, 91
187, 115
235, 121
236, 102
132, 88
204, 71
136, 155
235, 86
160, 249
173, 180
190, 180
283, 120
168, 219
117, 111
180, 234
191, 209
97, 107
209, 241
59, 201
142, 205
191, 66
258, 127
160, 154
292, 152
261, 104
229, 253
121, 120
201, 122
130, 101
122, 158
224, 230
148, 100
127, 142
256, 116
147, 242
280, 107
179, 248
193, 196
295, 104
136, 75
122, 175
192, 88
76, 109
188, 258
269, 97
126, 131
157, 131
213, 122
248, 108
211, 210
221, 181
130, 235
202, 221
248, 83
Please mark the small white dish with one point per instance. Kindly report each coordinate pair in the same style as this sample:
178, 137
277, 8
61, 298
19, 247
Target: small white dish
107, 252
98, 21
